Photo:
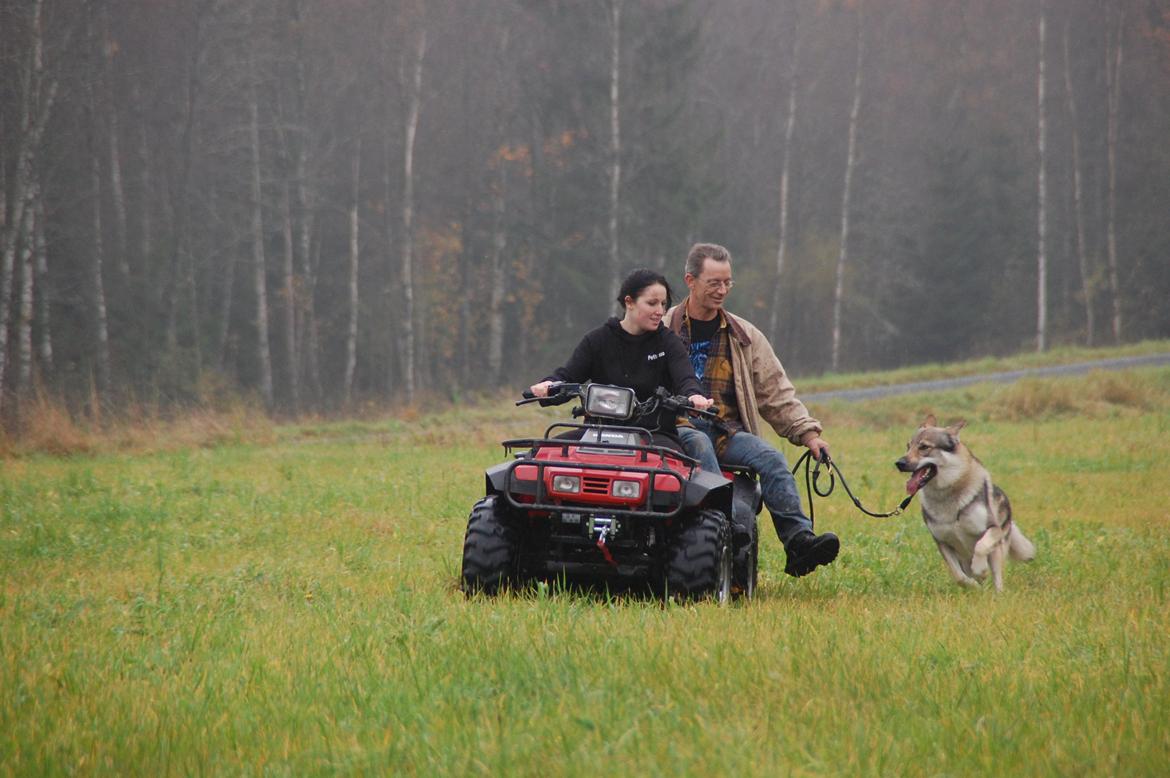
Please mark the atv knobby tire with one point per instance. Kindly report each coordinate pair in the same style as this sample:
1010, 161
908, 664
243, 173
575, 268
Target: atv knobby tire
745, 551
698, 558
490, 549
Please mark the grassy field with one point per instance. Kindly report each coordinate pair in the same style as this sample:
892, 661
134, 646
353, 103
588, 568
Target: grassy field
289, 606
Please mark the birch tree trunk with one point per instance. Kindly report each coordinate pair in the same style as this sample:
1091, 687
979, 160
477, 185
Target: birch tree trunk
99, 322
466, 286
312, 334
850, 163
6, 280
191, 288
38, 91
305, 308
538, 188
352, 332
7, 269
1042, 186
97, 290
615, 145
1113, 58
411, 129
224, 329
225, 299
290, 136
785, 170
263, 352
498, 278
145, 182
24, 321
41, 288
180, 193
391, 294
288, 292
1078, 197
117, 189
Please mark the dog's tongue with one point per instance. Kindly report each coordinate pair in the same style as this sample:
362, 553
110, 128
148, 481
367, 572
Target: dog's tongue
920, 477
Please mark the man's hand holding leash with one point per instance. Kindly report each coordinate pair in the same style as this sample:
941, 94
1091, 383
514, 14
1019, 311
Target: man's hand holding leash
813, 442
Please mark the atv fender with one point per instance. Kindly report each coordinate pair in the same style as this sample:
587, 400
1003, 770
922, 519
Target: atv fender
496, 478
710, 489
748, 489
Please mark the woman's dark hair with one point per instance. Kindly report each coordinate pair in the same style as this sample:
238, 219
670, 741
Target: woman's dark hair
638, 280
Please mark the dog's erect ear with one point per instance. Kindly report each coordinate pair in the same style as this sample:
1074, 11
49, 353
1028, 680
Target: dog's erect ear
958, 425
929, 421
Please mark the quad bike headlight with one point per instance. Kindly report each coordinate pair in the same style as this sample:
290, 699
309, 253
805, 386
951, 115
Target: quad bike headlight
566, 484
611, 402
629, 490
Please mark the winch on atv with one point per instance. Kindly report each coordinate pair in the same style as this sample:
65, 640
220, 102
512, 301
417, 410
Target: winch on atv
599, 502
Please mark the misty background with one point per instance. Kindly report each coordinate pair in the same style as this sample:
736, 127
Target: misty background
334, 203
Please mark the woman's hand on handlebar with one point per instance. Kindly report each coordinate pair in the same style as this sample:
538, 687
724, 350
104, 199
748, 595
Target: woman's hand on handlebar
700, 403
541, 389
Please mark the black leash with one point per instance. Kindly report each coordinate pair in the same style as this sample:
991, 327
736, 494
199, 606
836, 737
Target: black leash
811, 486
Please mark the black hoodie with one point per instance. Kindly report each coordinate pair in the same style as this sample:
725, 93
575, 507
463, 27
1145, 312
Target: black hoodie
610, 355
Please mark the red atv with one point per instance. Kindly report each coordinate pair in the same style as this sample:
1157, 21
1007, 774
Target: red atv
600, 503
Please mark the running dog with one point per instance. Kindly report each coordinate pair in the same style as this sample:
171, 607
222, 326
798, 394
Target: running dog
969, 517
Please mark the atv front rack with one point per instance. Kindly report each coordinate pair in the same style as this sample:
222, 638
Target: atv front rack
564, 443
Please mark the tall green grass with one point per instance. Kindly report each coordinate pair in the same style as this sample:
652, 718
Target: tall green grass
292, 608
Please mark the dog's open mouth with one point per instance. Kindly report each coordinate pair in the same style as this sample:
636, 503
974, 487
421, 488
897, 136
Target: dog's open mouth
920, 477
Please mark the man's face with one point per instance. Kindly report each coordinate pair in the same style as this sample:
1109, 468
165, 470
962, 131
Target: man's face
710, 287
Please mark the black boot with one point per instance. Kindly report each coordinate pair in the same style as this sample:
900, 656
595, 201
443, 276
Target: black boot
807, 551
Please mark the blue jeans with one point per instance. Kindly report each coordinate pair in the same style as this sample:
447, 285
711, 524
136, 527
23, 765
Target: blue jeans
776, 481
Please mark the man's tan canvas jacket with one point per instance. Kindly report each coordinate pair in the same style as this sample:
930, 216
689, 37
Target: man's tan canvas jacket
762, 388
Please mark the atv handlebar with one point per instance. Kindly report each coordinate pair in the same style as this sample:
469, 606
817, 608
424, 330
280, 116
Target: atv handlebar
559, 393
676, 402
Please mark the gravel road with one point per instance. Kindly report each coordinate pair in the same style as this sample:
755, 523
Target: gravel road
1118, 363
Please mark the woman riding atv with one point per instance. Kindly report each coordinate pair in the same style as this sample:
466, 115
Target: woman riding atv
639, 352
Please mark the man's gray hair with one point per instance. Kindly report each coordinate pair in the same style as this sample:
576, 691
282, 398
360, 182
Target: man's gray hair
703, 251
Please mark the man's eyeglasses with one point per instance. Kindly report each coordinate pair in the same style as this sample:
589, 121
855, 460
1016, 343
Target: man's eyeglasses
716, 283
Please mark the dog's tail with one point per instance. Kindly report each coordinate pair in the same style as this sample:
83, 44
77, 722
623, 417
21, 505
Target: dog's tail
1019, 547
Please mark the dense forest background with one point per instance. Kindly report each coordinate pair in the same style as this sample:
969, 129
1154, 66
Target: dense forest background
333, 203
